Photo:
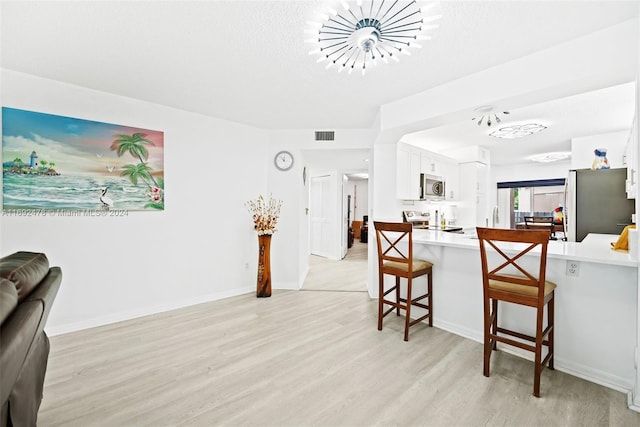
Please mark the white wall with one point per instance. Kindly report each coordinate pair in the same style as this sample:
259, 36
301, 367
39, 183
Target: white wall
529, 171
295, 257
634, 396
287, 186
582, 149
203, 246
358, 189
195, 250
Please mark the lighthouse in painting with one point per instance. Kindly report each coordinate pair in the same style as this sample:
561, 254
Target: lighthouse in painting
34, 160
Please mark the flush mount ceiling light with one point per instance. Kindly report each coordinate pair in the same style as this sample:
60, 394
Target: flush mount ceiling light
550, 157
486, 111
359, 36
518, 131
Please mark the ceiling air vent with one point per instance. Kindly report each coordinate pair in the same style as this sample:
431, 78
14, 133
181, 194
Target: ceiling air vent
325, 135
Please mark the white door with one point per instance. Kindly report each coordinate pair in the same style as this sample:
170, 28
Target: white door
320, 224
344, 228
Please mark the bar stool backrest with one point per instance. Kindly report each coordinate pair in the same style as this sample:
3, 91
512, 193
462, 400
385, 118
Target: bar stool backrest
509, 267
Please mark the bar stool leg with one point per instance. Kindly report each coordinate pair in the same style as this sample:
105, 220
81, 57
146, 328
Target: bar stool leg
487, 341
397, 295
550, 321
494, 325
430, 297
380, 298
538, 356
407, 318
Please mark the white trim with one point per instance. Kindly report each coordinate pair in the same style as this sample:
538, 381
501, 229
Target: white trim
146, 311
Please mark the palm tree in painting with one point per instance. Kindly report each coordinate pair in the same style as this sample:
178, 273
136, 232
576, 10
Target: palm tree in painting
135, 145
143, 172
135, 172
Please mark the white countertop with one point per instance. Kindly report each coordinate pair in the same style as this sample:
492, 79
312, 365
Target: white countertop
595, 248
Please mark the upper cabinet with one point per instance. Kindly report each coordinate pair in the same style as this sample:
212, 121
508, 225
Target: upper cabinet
428, 164
413, 161
448, 169
408, 169
474, 189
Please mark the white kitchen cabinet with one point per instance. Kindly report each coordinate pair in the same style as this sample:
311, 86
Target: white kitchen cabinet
413, 161
428, 164
473, 205
449, 169
408, 172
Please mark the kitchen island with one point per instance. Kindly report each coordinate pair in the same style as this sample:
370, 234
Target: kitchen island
596, 309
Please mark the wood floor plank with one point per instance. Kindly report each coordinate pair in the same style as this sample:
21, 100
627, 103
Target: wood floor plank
302, 359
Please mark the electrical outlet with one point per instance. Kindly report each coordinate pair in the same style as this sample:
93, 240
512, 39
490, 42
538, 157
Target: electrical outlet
573, 268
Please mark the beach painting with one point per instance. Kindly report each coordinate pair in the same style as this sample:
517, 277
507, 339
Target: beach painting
57, 163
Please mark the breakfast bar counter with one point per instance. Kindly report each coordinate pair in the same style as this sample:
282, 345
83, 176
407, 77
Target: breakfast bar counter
596, 302
595, 248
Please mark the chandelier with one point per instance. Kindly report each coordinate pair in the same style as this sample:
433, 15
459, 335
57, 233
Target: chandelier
487, 111
357, 37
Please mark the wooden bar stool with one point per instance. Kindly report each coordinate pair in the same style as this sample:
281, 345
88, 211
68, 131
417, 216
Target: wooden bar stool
395, 257
541, 222
505, 279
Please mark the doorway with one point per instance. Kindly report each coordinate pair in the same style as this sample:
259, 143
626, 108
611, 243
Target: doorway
346, 275
347, 272
319, 208
334, 265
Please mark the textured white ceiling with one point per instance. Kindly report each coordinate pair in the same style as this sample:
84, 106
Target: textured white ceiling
246, 61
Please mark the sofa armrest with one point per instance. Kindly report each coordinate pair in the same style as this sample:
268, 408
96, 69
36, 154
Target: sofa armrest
25, 269
46, 292
17, 336
8, 299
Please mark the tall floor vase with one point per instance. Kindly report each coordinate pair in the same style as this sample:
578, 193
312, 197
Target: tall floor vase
263, 289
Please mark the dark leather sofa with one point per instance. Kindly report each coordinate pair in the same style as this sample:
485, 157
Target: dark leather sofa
28, 286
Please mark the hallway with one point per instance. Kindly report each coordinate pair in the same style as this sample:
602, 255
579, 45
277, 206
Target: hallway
346, 275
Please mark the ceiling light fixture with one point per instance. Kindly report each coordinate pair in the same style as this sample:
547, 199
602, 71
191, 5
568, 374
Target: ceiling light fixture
518, 131
358, 36
550, 157
486, 111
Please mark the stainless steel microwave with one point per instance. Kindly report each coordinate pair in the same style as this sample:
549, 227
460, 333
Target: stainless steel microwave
432, 187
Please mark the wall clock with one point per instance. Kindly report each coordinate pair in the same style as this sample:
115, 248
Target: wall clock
283, 160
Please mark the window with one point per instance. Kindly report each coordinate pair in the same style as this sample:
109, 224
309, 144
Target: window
530, 198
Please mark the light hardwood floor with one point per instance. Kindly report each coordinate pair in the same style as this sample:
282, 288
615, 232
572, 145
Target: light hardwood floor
302, 359
347, 275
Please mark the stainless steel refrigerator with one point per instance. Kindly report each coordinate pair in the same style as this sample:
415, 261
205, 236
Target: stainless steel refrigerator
596, 202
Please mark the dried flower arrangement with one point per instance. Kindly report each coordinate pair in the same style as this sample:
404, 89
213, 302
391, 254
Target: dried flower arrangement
265, 214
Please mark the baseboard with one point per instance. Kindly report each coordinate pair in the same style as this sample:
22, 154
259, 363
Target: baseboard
592, 375
631, 404
290, 286
587, 373
457, 330
575, 369
53, 330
